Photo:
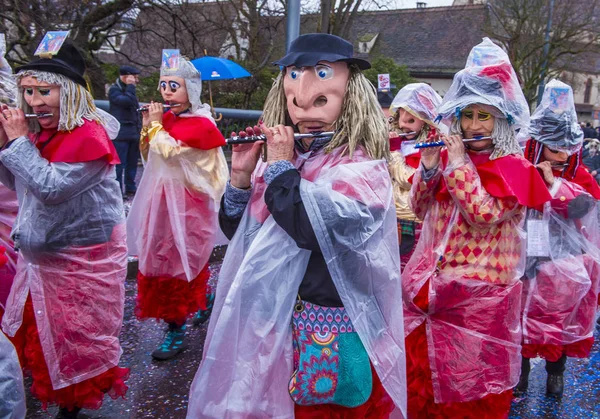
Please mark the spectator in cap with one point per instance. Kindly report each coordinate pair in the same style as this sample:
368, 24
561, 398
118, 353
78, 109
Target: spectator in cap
123, 106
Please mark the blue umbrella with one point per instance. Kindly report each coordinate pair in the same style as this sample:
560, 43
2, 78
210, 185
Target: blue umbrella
215, 68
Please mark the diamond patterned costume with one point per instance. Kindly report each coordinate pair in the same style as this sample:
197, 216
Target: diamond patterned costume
461, 287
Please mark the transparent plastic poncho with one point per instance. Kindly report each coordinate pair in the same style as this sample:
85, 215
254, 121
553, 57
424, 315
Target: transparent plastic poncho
554, 122
173, 222
469, 256
8, 198
489, 79
72, 260
80, 338
419, 99
247, 361
562, 278
12, 402
8, 87
8, 213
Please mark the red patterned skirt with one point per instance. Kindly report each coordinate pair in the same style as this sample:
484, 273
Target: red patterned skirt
378, 406
553, 353
87, 394
170, 299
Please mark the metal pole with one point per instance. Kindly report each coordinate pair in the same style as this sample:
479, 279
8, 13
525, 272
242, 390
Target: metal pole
546, 51
293, 23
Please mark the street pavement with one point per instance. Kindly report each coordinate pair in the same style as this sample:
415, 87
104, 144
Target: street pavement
160, 389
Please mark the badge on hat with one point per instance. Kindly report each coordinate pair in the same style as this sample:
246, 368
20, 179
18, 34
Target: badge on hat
170, 60
559, 99
51, 44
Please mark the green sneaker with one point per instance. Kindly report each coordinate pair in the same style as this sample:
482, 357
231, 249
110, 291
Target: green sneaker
202, 316
173, 344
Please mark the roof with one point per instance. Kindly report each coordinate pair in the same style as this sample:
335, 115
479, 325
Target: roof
425, 40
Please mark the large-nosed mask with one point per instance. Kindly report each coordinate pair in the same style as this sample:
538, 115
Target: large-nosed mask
315, 94
173, 90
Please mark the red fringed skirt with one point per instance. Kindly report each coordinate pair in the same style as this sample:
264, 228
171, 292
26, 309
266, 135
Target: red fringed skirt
170, 299
87, 394
421, 403
553, 353
378, 406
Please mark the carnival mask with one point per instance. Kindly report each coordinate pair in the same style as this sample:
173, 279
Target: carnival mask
477, 120
407, 122
173, 90
315, 94
43, 98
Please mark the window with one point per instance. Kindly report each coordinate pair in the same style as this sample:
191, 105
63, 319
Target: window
588, 91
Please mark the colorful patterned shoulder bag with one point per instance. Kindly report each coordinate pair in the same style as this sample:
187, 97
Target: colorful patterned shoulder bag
331, 365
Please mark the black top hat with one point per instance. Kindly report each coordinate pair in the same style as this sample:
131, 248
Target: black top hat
127, 70
68, 62
307, 50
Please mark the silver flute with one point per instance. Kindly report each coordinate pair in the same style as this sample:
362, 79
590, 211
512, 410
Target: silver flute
38, 115
407, 134
145, 108
261, 137
441, 143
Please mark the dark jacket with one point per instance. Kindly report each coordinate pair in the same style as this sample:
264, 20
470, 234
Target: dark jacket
123, 106
589, 132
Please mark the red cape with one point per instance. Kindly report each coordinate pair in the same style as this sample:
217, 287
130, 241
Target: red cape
197, 132
86, 143
510, 176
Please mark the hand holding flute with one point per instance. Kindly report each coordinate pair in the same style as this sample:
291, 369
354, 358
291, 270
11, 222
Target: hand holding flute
153, 113
430, 156
244, 157
13, 123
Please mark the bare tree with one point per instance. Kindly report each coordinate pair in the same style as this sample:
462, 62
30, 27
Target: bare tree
520, 25
26, 21
252, 28
336, 16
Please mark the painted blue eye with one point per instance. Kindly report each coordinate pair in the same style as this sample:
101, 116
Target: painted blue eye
295, 73
324, 72
163, 85
174, 85
29, 91
44, 92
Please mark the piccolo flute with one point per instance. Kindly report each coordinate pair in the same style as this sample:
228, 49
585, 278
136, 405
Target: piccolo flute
38, 115
441, 143
558, 165
407, 134
261, 137
145, 108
